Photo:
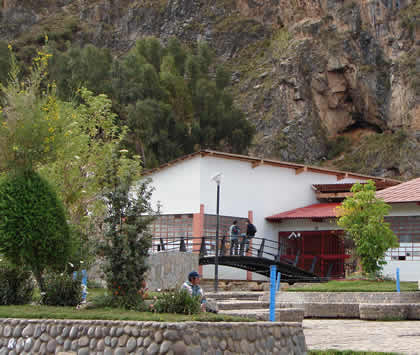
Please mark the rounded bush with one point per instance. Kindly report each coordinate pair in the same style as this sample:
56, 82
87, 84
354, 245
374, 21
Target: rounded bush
33, 226
61, 290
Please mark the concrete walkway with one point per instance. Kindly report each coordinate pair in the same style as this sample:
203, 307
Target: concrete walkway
354, 334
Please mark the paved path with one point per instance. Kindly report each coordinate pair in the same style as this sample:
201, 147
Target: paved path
352, 334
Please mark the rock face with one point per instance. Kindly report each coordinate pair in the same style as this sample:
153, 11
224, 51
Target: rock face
304, 71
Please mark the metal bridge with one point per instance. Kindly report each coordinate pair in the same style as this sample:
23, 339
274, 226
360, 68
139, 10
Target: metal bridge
256, 258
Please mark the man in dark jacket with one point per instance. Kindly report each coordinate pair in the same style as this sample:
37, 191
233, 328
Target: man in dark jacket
250, 233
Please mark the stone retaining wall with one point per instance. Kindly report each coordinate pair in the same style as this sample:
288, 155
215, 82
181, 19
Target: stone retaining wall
169, 270
345, 297
111, 337
376, 311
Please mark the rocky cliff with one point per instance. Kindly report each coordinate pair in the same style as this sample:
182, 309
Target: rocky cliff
333, 82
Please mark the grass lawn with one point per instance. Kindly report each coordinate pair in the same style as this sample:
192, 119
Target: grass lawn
354, 286
345, 352
43, 312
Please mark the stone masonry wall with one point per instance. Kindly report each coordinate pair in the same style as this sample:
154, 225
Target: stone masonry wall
345, 297
23, 336
169, 270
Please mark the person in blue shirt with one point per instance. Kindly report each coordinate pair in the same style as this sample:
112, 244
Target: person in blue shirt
194, 288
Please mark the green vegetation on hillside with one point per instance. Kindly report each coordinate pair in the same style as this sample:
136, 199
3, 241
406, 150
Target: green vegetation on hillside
376, 151
174, 100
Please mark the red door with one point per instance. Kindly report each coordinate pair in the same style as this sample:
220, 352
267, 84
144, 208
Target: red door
324, 248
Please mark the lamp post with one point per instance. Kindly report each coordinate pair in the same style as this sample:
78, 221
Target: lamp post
217, 179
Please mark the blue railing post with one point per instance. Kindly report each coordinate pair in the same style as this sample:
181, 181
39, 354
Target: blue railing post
398, 279
273, 270
84, 285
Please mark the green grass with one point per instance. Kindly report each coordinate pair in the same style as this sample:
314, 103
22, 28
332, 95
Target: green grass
43, 312
345, 352
106, 313
354, 286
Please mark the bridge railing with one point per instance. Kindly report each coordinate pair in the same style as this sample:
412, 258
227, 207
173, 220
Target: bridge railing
259, 247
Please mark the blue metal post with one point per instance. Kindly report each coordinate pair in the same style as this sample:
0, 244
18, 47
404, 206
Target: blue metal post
84, 285
398, 279
273, 270
278, 281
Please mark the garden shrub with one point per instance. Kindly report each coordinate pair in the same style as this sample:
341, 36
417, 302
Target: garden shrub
61, 290
16, 285
179, 301
33, 225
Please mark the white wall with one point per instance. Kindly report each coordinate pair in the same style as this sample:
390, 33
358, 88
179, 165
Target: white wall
265, 189
404, 209
409, 269
178, 187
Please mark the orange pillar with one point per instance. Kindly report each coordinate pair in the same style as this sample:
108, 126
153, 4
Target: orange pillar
197, 232
251, 219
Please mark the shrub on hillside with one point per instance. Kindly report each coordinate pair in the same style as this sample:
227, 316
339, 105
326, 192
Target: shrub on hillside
16, 285
179, 301
61, 290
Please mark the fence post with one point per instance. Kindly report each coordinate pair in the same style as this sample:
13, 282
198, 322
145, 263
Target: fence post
203, 250
182, 246
398, 279
273, 270
278, 281
261, 249
223, 246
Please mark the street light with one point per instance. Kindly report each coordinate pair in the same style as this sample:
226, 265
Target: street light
217, 179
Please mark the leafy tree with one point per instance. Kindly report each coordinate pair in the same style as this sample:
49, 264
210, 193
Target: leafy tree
28, 119
185, 81
362, 217
62, 142
33, 226
127, 240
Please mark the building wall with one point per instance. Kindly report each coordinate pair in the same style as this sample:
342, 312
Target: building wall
405, 222
265, 190
177, 188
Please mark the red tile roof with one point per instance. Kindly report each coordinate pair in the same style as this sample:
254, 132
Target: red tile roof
406, 192
318, 210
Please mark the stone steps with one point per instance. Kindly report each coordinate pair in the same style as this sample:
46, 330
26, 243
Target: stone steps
238, 295
234, 304
282, 315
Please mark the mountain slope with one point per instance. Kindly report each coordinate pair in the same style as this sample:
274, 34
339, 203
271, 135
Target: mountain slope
324, 81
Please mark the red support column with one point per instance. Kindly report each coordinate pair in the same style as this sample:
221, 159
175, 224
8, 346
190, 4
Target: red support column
197, 232
251, 219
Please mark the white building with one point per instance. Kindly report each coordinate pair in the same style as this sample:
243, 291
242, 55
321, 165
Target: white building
256, 189
404, 217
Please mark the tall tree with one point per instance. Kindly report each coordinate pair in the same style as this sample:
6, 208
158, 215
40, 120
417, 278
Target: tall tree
127, 240
362, 217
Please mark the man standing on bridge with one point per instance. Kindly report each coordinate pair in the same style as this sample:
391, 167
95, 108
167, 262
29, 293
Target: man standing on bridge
234, 233
250, 233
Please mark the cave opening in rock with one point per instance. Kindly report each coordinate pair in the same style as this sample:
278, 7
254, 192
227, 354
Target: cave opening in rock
361, 123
